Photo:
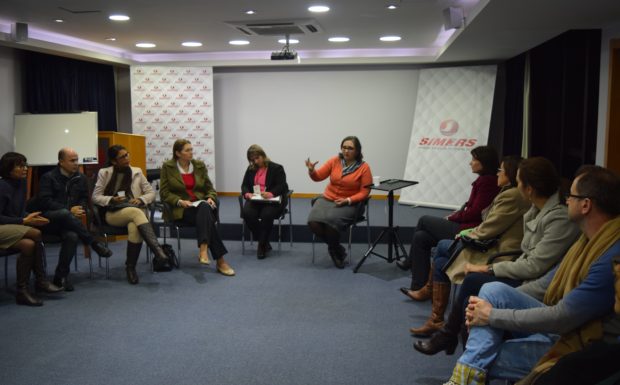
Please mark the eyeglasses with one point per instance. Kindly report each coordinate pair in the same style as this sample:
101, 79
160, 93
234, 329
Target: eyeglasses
25, 165
124, 156
573, 196
347, 148
501, 170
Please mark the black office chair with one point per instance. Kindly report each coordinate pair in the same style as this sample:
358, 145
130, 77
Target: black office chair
362, 215
170, 224
6, 253
287, 210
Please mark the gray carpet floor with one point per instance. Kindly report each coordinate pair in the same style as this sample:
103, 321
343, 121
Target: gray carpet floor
281, 320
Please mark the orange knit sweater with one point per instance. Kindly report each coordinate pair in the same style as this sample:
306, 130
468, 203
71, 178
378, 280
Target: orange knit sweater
349, 186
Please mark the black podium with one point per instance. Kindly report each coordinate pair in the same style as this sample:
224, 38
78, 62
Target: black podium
394, 240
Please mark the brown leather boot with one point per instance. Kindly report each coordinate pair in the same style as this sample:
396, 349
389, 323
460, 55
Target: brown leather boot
441, 294
426, 292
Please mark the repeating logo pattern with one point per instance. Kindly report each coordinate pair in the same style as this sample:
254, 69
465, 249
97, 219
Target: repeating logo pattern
170, 103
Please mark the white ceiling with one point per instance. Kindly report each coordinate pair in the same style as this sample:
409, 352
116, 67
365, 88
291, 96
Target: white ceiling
494, 30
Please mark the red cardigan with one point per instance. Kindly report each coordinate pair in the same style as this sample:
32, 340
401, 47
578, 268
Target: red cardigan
349, 186
483, 191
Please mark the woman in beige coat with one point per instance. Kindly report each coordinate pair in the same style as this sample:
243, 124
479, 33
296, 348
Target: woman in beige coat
124, 192
503, 222
547, 235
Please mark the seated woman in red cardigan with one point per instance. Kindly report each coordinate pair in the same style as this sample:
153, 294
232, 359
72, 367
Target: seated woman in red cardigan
336, 208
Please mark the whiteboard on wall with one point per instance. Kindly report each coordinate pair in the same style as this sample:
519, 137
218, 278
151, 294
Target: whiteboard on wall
40, 136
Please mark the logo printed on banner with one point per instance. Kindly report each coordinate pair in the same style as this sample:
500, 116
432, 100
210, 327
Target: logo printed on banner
149, 128
183, 128
197, 80
180, 80
206, 88
147, 80
206, 119
205, 72
155, 72
164, 80
206, 104
140, 89
173, 104
448, 127
156, 105
181, 112
173, 88
197, 112
140, 105
164, 97
165, 112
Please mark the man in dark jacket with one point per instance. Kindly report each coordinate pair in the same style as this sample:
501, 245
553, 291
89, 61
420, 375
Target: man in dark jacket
63, 196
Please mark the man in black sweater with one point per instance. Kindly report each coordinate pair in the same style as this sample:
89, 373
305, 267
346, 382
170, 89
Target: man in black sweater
63, 197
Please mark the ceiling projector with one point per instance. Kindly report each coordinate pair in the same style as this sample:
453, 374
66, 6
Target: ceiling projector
284, 55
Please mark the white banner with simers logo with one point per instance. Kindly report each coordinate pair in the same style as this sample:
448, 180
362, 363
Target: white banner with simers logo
170, 103
452, 116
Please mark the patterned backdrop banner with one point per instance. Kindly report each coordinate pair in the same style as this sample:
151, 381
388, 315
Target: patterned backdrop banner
452, 116
170, 103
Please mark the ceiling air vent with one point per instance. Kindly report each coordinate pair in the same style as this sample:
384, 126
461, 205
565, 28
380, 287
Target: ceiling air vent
277, 27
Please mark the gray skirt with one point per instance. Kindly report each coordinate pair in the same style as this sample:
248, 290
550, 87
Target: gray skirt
11, 234
325, 211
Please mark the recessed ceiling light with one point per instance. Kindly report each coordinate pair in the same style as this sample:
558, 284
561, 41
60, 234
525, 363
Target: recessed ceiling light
389, 38
318, 8
339, 39
119, 17
110, 38
250, 12
290, 41
145, 45
392, 6
238, 42
191, 44
59, 20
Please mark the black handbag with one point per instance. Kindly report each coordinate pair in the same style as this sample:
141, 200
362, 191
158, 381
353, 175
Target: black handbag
173, 260
482, 245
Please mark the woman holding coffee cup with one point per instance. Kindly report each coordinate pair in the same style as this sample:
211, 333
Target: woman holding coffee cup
267, 180
124, 192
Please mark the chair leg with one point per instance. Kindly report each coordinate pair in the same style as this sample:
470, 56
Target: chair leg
313, 239
279, 235
6, 273
242, 237
178, 244
290, 227
350, 238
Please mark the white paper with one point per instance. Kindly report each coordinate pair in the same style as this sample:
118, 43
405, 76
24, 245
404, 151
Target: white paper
260, 198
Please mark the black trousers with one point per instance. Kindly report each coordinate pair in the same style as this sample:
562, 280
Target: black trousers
71, 230
205, 220
471, 286
428, 232
260, 217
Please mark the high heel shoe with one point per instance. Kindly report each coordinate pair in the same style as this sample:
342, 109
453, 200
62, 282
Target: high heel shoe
439, 341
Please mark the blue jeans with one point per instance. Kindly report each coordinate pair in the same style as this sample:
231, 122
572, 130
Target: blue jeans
440, 258
486, 349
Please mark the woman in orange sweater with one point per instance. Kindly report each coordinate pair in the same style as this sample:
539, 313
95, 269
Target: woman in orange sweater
336, 208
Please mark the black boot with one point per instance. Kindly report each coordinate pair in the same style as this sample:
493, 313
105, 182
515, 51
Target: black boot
133, 253
63, 282
101, 249
23, 296
42, 284
261, 250
439, 341
146, 230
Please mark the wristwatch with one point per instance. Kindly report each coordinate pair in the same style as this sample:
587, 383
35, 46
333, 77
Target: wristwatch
490, 270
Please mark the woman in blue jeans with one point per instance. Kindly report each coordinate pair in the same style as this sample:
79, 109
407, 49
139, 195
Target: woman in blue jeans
502, 222
548, 233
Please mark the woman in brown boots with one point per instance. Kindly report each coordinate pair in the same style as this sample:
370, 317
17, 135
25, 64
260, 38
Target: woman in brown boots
124, 192
16, 231
547, 235
503, 222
